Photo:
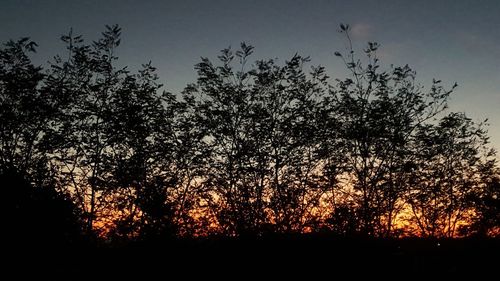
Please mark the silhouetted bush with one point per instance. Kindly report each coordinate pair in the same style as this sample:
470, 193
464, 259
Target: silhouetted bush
37, 216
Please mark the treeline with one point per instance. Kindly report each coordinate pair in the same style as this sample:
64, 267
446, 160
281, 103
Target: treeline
249, 148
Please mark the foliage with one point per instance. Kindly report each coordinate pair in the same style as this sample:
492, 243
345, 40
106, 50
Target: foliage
245, 150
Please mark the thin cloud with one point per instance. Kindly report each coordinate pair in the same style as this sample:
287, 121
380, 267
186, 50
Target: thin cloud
362, 31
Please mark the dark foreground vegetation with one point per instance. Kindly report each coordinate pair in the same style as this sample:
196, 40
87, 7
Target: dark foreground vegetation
45, 240
253, 167
274, 256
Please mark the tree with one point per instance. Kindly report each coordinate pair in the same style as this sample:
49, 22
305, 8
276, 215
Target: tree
113, 137
244, 150
451, 169
486, 219
81, 89
24, 112
220, 100
260, 127
378, 113
146, 174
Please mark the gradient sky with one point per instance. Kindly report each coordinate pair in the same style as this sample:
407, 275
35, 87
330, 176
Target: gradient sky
452, 40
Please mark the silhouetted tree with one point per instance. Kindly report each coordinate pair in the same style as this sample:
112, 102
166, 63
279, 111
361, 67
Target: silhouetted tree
220, 99
450, 166
378, 112
24, 111
149, 148
246, 149
81, 88
486, 219
113, 136
259, 124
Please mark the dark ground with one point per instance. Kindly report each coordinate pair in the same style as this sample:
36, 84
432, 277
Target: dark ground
307, 257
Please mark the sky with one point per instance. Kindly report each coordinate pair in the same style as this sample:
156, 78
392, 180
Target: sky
451, 40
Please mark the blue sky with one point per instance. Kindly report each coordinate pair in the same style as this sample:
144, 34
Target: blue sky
455, 41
